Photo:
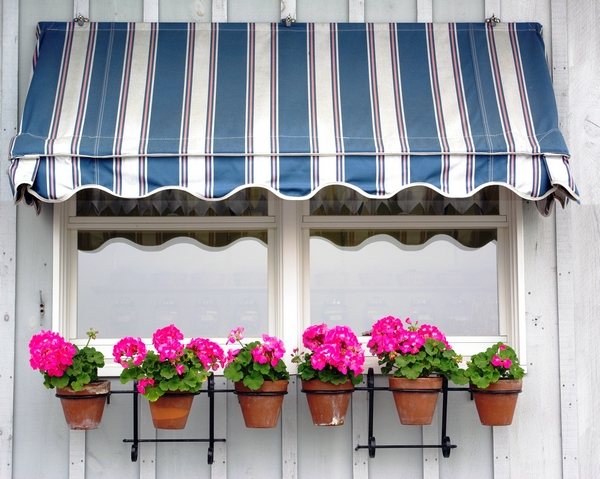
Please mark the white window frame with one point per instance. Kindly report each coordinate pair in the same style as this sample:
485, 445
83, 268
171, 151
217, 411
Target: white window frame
66, 225
288, 225
510, 266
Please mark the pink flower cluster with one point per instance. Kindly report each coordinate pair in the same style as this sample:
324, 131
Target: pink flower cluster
167, 342
209, 353
129, 352
143, 384
497, 361
50, 353
389, 336
337, 347
270, 351
235, 335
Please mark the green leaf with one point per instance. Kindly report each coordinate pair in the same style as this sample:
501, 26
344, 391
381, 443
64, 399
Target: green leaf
253, 381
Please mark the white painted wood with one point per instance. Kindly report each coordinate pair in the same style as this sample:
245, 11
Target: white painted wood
219, 468
185, 11
384, 11
288, 8
77, 454
582, 121
492, 7
257, 11
289, 431
289, 322
432, 435
360, 433
458, 11
151, 10
81, 7
564, 264
8, 232
356, 11
424, 10
147, 450
219, 11
501, 452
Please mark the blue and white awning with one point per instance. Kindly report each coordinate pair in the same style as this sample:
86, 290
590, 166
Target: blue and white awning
214, 108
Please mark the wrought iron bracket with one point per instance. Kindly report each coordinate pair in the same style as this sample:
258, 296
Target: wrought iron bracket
445, 443
135, 441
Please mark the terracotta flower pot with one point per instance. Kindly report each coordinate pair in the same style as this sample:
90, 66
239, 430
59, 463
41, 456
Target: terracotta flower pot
415, 399
171, 411
262, 408
496, 404
328, 403
83, 409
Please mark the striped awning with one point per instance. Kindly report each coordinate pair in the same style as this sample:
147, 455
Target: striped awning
134, 108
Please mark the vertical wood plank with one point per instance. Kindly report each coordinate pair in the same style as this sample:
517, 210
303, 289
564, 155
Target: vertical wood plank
289, 431
564, 261
146, 451
291, 320
151, 10
81, 7
360, 434
501, 452
492, 7
219, 11
77, 454
424, 10
219, 468
8, 232
356, 11
77, 438
288, 7
431, 457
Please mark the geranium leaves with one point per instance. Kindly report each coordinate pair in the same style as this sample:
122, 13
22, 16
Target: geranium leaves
245, 365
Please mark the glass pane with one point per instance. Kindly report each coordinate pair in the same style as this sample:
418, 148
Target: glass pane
440, 282
417, 200
125, 289
247, 202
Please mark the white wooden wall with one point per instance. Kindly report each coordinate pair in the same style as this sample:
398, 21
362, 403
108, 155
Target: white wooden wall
556, 431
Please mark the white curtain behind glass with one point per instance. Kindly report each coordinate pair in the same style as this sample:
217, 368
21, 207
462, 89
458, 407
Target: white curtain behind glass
441, 282
128, 289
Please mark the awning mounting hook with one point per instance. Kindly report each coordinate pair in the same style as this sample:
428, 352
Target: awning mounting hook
493, 20
81, 20
289, 20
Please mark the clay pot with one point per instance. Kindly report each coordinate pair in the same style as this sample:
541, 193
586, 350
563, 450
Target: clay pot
415, 399
261, 408
83, 409
496, 403
171, 411
328, 403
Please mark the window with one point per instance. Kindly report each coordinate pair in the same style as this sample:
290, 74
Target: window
131, 266
126, 267
449, 262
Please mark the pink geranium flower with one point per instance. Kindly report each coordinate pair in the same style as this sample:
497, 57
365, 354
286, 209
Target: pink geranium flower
167, 342
129, 352
143, 384
209, 353
50, 353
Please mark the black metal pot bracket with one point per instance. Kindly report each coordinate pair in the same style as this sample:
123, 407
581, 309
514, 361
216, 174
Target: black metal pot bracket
445, 443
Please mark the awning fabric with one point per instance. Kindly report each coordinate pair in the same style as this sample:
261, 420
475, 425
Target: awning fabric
212, 108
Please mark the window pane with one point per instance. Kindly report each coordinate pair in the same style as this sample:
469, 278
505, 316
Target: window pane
440, 282
128, 289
